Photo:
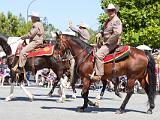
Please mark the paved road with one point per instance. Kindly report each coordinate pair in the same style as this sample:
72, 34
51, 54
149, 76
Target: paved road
46, 108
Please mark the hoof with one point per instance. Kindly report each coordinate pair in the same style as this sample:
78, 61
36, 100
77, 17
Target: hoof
119, 112
31, 98
81, 109
50, 94
119, 95
60, 101
98, 97
74, 97
8, 99
149, 112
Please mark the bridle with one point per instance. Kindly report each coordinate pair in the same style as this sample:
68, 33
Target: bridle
63, 47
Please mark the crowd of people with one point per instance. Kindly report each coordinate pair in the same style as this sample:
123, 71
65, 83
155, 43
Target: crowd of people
4, 72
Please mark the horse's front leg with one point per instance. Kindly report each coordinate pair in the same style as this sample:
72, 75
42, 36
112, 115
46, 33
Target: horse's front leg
116, 87
53, 87
28, 93
10, 96
128, 96
84, 94
98, 97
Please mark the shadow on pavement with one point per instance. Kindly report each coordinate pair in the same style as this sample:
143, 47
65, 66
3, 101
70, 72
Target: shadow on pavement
93, 109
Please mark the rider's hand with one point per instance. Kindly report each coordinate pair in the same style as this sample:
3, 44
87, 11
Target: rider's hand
70, 23
23, 37
99, 35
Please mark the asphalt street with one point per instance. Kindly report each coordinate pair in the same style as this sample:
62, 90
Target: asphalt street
46, 108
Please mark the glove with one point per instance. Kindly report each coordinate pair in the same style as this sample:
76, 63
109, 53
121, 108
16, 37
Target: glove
70, 23
99, 35
23, 37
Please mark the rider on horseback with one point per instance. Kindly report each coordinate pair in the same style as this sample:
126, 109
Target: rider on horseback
109, 36
35, 35
82, 31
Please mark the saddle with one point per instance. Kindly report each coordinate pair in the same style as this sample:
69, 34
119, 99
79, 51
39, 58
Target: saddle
117, 54
45, 49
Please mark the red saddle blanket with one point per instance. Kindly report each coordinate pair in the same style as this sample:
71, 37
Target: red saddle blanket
119, 53
44, 51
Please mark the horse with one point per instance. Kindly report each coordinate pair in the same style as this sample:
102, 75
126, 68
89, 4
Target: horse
59, 67
138, 65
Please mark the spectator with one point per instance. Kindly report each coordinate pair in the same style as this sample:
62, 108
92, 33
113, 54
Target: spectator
6, 75
51, 78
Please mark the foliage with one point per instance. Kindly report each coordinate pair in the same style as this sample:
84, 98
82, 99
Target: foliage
12, 25
93, 36
141, 21
48, 28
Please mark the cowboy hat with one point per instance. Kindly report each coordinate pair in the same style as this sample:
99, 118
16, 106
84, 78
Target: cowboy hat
35, 14
111, 7
82, 24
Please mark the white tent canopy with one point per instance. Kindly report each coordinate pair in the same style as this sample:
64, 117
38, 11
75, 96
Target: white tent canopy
143, 47
2, 54
14, 42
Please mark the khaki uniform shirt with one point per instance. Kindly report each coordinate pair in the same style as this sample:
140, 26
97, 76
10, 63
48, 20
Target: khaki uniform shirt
83, 34
112, 31
158, 61
36, 33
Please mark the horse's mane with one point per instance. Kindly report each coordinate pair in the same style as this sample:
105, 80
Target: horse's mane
3, 42
80, 42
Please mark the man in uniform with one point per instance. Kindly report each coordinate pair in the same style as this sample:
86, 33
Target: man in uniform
81, 31
110, 36
35, 36
84, 35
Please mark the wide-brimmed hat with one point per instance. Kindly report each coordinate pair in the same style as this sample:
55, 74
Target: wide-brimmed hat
111, 7
35, 14
82, 24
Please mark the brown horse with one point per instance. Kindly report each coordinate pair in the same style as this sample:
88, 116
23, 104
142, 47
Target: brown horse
137, 66
59, 67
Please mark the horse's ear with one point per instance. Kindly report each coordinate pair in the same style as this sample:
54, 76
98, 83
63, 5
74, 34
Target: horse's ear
57, 35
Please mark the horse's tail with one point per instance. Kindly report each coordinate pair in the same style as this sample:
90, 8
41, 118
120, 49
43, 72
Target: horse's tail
151, 77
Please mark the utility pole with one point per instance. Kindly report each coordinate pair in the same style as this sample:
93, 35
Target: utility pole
28, 11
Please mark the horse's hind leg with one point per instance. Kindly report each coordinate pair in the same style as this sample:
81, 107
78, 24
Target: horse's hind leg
145, 85
129, 94
62, 94
10, 96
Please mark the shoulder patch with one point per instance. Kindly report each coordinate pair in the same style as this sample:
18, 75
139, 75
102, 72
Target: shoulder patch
117, 22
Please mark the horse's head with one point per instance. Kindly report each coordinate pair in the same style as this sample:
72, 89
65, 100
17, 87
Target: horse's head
62, 40
62, 43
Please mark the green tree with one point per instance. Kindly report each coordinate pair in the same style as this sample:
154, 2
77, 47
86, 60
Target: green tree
93, 36
12, 25
141, 21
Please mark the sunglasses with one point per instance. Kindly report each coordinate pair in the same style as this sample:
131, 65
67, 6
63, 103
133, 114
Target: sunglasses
111, 10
